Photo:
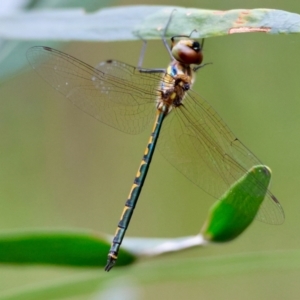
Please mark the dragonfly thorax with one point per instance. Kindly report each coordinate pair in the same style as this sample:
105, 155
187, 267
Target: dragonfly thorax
178, 79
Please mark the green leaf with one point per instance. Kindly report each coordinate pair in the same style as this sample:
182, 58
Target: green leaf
209, 23
82, 248
131, 22
70, 248
109, 24
12, 51
237, 208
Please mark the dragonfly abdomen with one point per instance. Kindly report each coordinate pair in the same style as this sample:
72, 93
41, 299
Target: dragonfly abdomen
135, 191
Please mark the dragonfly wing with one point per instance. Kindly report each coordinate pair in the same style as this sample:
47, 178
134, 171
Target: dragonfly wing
145, 84
270, 210
199, 144
108, 96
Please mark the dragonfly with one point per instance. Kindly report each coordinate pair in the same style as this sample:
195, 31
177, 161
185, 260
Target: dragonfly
187, 130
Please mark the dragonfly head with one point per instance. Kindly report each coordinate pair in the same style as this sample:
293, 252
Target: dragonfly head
187, 51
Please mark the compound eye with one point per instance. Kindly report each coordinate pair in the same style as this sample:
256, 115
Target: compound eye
187, 52
196, 46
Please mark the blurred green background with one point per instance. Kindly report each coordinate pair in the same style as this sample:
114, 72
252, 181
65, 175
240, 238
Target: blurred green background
60, 168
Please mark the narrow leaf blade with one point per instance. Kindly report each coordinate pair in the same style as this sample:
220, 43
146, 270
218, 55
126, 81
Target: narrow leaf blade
69, 248
237, 208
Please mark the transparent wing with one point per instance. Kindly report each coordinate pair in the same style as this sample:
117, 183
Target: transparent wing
201, 146
115, 93
194, 138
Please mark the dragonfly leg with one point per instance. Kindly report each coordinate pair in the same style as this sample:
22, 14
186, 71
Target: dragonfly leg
143, 50
202, 44
195, 69
165, 33
184, 36
140, 62
153, 70
142, 54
